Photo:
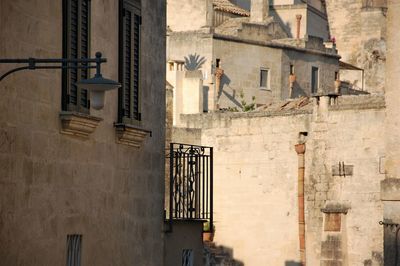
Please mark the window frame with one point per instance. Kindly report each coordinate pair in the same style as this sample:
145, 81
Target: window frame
268, 85
135, 116
312, 79
66, 103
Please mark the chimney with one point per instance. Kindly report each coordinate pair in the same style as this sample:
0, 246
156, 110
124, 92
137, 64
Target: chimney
259, 11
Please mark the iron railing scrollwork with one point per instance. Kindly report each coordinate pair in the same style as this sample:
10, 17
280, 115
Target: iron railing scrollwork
190, 182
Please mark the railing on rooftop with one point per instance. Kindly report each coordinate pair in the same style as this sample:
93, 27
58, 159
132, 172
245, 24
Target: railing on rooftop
190, 183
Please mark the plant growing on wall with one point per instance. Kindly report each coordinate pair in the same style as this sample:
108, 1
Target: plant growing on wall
246, 107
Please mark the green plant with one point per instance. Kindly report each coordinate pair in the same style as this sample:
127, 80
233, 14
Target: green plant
207, 227
245, 106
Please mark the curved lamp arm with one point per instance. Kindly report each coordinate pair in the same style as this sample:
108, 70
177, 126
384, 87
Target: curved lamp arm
34, 63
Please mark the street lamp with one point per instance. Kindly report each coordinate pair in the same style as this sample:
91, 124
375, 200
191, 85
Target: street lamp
96, 85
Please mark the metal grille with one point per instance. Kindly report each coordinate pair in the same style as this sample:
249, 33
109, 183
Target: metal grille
191, 182
74, 250
187, 257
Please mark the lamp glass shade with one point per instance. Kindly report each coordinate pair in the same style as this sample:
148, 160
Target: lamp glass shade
97, 87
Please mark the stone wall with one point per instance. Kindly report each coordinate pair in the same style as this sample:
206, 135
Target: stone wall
53, 184
360, 33
255, 187
242, 62
189, 15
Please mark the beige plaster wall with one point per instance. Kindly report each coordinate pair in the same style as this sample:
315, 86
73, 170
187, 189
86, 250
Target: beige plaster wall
255, 187
189, 15
286, 16
185, 235
52, 184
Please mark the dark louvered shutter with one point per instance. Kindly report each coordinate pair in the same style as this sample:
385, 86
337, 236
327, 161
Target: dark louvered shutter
129, 100
127, 63
136, 66
84, 34
76, 45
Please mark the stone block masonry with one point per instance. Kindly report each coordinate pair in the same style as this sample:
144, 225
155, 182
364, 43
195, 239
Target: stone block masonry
255, 190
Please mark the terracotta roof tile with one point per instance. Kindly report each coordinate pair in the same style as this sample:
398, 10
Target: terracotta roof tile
227, 6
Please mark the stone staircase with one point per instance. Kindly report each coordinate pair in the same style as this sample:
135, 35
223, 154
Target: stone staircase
214, 255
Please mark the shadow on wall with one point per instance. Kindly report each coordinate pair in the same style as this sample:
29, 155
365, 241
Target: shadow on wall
225, 82
297, 91
206, 90
194, 62
292, 263
219, 255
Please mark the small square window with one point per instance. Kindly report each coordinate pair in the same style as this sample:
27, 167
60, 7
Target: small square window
264, 78
291, 69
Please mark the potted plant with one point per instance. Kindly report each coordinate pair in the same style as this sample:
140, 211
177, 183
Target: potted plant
208, 232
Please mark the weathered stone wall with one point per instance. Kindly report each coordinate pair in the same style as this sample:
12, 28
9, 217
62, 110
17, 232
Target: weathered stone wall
360, 33
189, 15
188, 45
52, 184
242, 62
255, 189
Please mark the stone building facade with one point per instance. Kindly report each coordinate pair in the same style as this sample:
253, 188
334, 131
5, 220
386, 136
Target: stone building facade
251, 55
359, 28
88, 176
308, 180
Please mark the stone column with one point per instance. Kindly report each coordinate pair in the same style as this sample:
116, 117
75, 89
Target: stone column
259, 11
393, 90
390, 187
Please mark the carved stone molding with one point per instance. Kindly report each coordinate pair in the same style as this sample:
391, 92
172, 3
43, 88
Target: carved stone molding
130, 135
77, 124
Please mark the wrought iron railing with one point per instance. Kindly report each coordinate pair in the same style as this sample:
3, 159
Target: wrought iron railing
190, 182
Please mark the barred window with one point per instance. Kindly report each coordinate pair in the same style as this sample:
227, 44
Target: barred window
74, 250
130, 21
76, 44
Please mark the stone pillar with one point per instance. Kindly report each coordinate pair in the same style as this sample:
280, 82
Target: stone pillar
392, 94
259, 11
390, 187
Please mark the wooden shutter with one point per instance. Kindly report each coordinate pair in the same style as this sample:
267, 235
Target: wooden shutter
76, 45
129, 46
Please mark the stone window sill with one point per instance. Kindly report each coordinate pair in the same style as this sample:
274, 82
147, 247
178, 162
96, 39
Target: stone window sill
78, 124
130, 135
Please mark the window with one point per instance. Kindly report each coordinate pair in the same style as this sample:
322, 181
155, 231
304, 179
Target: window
130, 21
314, 79
264, 78
76, 44
74, 250
291, 69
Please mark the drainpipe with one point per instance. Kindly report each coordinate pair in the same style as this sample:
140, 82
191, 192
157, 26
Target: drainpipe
300, 150
298, 18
